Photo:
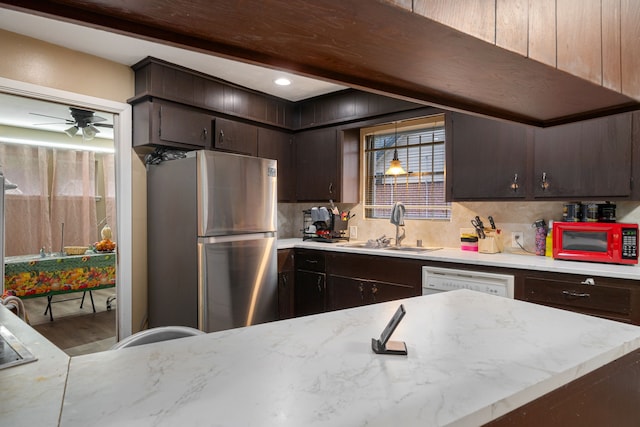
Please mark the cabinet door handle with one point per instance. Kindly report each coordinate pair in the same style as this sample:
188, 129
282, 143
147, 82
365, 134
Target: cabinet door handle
361, 289
221, 137
544, 184
374, 291
319, 287
284, 280
204, 133
514, 184
331, 188
575, 294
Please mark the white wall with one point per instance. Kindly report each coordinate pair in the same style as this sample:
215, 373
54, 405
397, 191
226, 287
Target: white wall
66, 74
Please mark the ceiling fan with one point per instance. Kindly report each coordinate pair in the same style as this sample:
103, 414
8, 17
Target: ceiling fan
83, 120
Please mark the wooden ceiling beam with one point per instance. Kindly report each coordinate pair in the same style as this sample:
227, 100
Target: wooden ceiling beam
374, 46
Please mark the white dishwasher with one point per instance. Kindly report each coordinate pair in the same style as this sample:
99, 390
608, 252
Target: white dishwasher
436, 279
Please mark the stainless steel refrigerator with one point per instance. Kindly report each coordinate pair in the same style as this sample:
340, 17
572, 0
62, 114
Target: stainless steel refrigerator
212, 252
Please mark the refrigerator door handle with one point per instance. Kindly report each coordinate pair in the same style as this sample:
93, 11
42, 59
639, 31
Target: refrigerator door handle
236, 237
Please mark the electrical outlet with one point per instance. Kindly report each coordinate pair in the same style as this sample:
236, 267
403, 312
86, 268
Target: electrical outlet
353, 231
517, 239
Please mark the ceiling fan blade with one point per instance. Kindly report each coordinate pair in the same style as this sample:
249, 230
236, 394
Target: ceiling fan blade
94, 119
69, 121
103, 125
52, 123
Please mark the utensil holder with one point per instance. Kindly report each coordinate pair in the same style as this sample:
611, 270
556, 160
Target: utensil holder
492, 243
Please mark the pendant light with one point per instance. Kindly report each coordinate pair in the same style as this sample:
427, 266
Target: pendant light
395, 168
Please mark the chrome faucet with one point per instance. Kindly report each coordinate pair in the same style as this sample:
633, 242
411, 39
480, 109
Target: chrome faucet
399, 237
397, 218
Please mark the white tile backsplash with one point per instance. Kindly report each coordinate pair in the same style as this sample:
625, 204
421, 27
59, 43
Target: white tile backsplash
509, 216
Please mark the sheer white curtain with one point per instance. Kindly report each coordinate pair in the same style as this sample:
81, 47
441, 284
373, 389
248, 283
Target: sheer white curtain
27, 224
73, 199
108, 161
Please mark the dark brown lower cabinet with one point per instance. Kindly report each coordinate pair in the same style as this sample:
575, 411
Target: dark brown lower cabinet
286, 283
348, 292
310, 293
610, 298
326, 280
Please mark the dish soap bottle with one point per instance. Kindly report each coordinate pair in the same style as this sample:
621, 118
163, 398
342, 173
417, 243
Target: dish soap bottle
549, 243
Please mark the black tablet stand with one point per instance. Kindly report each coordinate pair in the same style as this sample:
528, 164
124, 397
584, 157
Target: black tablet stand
383, 345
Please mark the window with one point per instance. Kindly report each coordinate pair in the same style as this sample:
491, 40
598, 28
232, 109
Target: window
55, 187
420, 144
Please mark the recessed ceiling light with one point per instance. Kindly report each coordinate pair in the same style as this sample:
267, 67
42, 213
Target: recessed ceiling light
282, 81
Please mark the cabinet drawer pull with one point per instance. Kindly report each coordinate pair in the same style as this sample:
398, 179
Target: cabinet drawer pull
311, 261
576, 294
588, 281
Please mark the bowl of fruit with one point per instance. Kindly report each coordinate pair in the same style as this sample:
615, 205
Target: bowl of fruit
106, 244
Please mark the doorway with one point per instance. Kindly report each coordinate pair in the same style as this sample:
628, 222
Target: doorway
121, 113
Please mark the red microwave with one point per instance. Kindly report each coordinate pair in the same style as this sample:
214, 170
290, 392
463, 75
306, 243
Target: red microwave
610, 242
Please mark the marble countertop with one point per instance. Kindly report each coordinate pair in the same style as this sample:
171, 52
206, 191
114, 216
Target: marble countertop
471, 358
507, 260
30, 394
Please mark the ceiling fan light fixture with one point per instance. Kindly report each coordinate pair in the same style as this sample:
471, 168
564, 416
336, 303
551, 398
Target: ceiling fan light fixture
89, 132
71, 131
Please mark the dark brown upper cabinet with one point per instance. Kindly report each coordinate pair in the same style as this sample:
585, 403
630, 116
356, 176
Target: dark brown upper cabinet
278, 145
162, 123
488, 158
327, 165
494, 160
317, 165
236, 137
585, 160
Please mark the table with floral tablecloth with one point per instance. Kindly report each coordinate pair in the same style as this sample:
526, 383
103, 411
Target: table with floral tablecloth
51, 275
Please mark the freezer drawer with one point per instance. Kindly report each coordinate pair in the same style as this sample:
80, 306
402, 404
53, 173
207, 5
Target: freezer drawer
238, 281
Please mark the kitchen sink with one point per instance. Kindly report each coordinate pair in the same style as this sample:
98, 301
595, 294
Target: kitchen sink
411, 249
361, 245
366, 245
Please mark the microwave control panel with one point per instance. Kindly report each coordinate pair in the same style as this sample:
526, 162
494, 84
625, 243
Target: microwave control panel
629, 243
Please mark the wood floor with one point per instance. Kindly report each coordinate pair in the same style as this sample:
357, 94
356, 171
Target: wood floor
76, 330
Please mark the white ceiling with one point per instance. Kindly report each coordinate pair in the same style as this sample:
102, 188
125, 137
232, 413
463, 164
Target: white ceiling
129, 51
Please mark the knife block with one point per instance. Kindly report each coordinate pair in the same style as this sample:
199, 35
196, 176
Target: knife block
492, 243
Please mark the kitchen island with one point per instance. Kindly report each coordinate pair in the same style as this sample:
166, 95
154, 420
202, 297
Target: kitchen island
472, 358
